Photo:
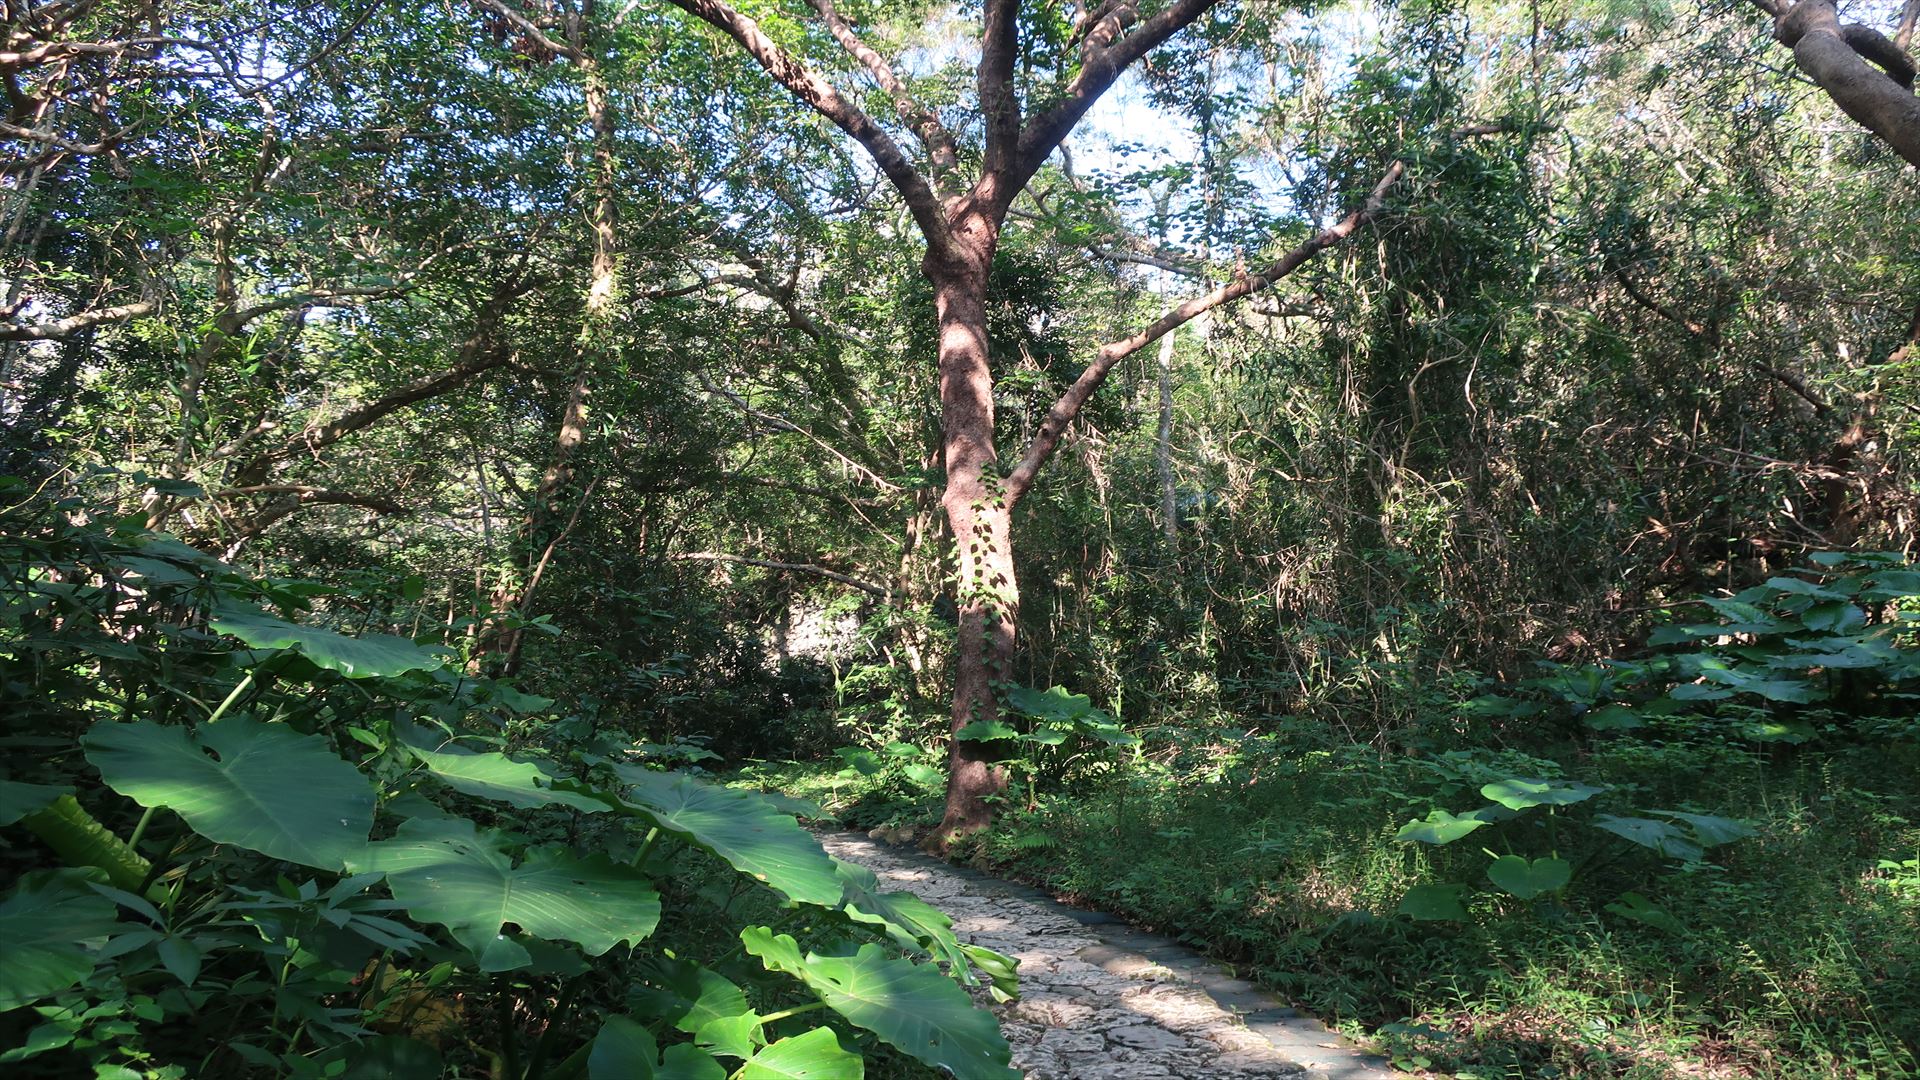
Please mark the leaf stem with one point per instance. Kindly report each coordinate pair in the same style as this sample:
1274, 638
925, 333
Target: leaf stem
231, 698
795, 1011
646, 848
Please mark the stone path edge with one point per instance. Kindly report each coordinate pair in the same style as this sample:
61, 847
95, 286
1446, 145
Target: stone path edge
1122, 950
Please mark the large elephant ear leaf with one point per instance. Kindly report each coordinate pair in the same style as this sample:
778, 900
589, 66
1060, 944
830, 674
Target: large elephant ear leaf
910, 1006
45, 925
740, 827
491, 775
907, 919
1522, 793
263, 787
624, 1050
17, 800
444, 870
362, 657
816, 1055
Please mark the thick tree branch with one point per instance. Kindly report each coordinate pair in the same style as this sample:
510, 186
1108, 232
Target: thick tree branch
73, 324
1106, 54
1054, 426
1831, 55
1875, 48
820, 95
921, 120
999, 43
803, 568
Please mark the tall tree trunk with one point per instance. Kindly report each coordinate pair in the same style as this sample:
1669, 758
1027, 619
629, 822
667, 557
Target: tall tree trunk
1163, 449
979, 514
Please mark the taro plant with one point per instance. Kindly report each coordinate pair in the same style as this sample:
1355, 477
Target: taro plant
1052, 730
1672, 833
1822, 652
246, 843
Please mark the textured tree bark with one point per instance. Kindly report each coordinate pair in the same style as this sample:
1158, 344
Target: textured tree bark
986, 592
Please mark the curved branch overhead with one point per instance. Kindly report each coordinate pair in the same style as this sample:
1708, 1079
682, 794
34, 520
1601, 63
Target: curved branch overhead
1869, 76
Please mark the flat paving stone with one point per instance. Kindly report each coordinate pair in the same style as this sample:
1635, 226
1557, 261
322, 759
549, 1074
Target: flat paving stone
1100, 1000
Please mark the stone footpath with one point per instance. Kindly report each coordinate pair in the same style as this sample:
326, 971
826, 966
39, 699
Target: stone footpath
1102, 1001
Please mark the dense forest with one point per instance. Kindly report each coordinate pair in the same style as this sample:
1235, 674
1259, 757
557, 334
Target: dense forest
1412, 498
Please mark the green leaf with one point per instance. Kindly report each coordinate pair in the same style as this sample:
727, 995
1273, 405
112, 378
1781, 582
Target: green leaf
1434, 903
1521, 793
360, 657
740, 827
1698, 692
1834, 616
816, 1055
271, 789
1709, 830
1440, 827
731, 1036
623, 1050
1798, 587
446, 871
525, 785
1661, 836
910, 1006
701, 996
685, 1061
1612, 718
907, 919
999, 968
1527, 880
45, 923
17, 800
181, 957
1636, 907
1055, 704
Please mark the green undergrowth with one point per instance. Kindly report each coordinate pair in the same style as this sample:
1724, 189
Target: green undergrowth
1791, 953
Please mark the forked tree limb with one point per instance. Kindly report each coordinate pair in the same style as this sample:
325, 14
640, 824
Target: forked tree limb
1047, 439
921, 120
821, 96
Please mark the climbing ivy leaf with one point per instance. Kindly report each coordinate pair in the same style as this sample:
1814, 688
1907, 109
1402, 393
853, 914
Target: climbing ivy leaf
267, 788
